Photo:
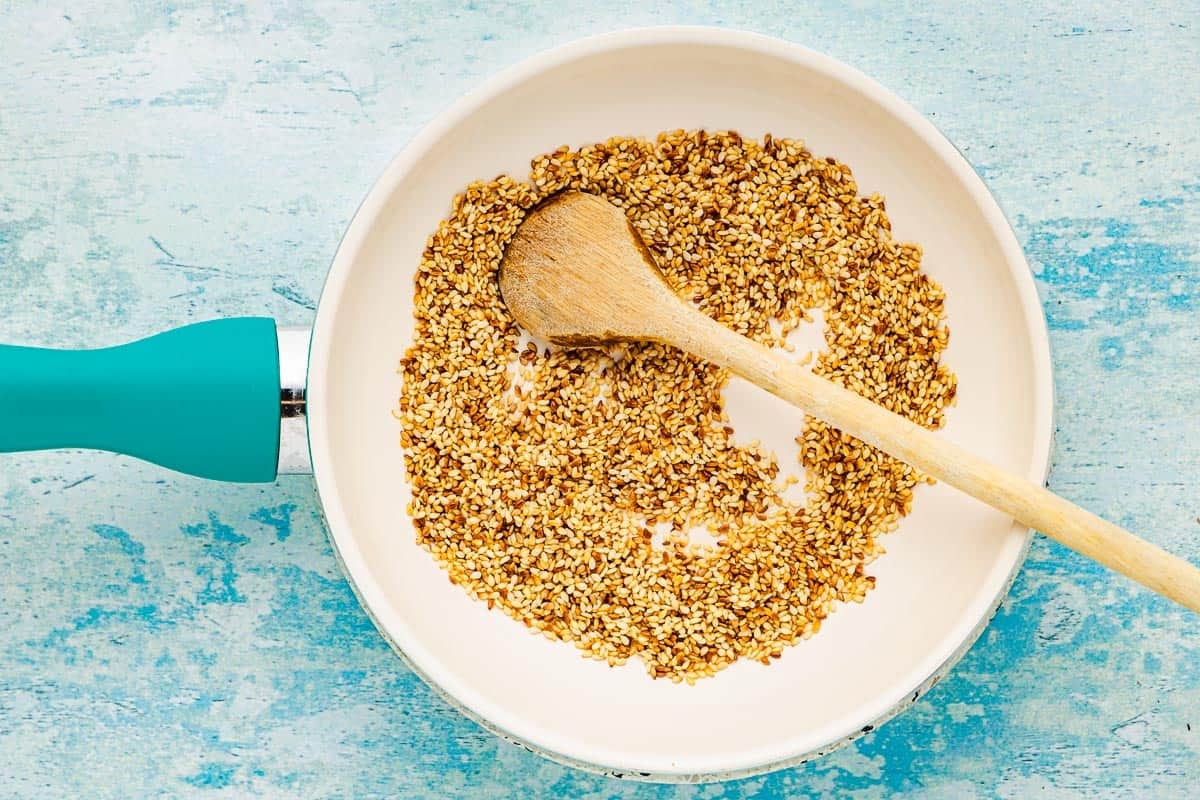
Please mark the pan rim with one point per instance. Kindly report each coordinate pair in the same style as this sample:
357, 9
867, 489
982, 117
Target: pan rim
497, 720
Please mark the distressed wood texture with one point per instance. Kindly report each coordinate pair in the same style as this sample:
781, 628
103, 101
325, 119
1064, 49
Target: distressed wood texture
166, 162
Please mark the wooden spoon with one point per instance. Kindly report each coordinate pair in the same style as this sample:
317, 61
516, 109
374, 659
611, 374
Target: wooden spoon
578, 275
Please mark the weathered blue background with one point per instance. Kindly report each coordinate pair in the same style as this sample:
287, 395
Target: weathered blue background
164, 162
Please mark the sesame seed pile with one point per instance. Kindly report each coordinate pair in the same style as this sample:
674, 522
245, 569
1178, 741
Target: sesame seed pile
564, 487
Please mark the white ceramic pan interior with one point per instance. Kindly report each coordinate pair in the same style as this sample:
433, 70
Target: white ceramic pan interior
946, 569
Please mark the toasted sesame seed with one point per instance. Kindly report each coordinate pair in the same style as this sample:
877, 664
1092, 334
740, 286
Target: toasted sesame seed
561, 486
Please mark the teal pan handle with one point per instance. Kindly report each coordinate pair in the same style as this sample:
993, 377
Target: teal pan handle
204, 399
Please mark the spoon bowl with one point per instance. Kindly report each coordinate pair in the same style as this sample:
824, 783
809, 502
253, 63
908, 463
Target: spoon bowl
547, 259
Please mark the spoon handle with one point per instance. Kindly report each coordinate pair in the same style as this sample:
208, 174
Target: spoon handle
932, 454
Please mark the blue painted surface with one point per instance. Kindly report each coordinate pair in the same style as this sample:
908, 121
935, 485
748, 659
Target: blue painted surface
167, 162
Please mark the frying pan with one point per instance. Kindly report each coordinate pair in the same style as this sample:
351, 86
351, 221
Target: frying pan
276, 401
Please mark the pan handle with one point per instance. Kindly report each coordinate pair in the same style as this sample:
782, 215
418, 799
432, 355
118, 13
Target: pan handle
207, 399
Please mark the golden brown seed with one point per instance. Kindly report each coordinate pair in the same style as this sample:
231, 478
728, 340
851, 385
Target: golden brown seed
560, 486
